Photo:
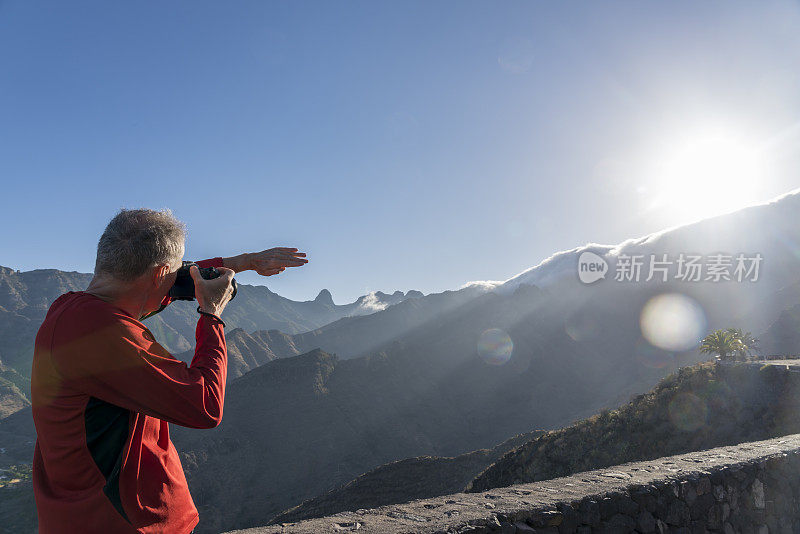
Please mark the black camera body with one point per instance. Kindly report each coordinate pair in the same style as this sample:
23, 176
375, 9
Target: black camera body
183, 288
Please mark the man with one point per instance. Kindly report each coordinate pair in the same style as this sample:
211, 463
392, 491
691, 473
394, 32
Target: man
103, 390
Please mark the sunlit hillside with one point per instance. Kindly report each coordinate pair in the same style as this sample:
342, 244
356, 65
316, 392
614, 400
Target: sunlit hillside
699, 407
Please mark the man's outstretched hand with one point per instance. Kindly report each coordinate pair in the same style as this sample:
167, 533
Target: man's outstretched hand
267, 262
275, 260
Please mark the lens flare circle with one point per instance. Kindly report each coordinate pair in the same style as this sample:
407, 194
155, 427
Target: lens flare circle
581, 327
687, 412
495, 346
672, 321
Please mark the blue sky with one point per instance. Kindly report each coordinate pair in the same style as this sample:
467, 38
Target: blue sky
405, 145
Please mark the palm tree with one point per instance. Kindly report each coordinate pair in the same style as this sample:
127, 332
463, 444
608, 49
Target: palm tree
747, 342
720, 342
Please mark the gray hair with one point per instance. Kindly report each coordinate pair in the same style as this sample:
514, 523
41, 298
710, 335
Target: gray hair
137, 240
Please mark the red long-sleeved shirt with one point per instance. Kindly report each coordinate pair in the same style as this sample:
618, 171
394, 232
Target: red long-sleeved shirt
103, 392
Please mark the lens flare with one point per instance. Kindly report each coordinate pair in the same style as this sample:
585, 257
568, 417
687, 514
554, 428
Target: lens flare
495, 346
581, 327
687, 412
672, 321
717, 395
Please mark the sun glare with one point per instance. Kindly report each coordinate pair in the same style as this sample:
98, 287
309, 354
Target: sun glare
707, 176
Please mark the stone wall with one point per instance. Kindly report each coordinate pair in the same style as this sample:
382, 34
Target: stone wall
750, 487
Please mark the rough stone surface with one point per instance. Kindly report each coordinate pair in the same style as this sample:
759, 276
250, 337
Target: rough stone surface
751, 487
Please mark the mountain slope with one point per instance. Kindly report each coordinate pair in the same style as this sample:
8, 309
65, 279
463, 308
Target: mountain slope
769, 229
350, 337
12, 399
258, 308
417, 478
783, 336
402, 481
17, 438
248, 351
347, 337
700, 407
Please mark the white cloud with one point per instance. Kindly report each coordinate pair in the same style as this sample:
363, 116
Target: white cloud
371, 304
486, 285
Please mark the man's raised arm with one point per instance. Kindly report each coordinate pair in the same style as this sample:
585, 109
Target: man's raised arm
266, 263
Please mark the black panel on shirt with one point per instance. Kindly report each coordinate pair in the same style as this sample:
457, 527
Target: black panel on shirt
106, 435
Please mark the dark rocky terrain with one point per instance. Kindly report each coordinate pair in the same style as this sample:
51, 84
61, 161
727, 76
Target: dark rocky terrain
404, 480
248, 351
17, 435
17, 506
749, 487
13, 391
699, 407
783, 336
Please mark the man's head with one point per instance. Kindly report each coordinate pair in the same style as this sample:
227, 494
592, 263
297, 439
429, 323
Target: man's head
142, 249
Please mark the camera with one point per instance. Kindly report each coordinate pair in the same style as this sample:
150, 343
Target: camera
183, 288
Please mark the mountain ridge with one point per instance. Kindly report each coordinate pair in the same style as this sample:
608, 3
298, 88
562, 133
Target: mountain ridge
25, 297
560, 267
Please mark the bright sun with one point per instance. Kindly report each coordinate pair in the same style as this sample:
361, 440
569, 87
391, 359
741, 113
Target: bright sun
707, 176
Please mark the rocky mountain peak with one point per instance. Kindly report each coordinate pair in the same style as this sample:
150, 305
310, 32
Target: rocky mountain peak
324, 297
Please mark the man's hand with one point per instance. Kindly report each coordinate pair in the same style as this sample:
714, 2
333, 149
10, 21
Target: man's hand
267, 262
212, 295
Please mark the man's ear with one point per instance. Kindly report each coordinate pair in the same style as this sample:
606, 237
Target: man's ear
160, 273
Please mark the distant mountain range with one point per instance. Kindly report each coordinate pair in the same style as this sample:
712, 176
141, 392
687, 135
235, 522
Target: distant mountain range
347, 337
26, 296
450, 373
